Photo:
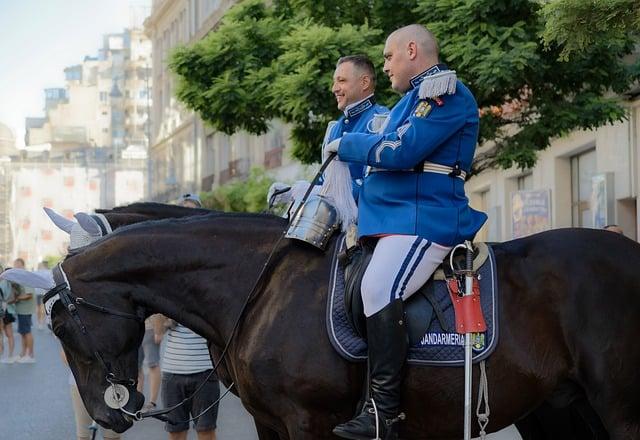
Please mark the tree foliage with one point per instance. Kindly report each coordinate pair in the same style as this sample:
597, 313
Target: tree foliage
576, 24
249, 195
276, 60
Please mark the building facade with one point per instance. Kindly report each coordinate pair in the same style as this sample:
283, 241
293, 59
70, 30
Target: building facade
186, 155
88, 151
586, 179
105, 102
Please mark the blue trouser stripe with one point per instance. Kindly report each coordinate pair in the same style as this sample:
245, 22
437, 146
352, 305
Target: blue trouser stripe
405, 263
413, 268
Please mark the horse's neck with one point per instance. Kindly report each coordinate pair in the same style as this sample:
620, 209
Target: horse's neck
207, 292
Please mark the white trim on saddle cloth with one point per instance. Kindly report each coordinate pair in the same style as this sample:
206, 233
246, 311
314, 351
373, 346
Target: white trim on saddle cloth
435, 342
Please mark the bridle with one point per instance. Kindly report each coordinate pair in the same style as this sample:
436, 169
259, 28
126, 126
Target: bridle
116, 395
62, 292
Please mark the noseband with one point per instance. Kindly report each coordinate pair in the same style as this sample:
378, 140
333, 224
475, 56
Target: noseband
117, 391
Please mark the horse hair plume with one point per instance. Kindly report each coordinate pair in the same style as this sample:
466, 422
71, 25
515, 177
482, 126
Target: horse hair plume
337, 187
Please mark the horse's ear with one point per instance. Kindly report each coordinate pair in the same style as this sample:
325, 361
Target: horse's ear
87, 223
62, 222
29, 279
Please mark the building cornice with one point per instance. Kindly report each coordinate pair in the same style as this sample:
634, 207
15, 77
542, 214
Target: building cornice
213, 20
156, 14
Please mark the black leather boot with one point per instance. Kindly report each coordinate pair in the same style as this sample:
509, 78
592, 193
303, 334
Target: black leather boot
388, 345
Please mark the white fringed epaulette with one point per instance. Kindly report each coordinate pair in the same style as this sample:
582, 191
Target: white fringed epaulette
438, 84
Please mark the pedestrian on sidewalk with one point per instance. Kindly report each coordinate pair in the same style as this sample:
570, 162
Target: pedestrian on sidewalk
6, 322
7, 317
149, 358
25, 304
185, 366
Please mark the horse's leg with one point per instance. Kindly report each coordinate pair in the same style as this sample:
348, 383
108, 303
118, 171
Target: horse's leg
265, 433
617, 404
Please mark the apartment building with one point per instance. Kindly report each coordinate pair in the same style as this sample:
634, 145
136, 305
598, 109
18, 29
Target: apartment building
185, 154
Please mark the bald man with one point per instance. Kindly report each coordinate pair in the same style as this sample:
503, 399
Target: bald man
413, 203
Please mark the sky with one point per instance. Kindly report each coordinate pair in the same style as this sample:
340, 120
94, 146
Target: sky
40, 38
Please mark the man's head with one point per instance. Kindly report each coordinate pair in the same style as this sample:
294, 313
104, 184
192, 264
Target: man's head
614, 228
18, 263
190, 201
409, 51
353, 80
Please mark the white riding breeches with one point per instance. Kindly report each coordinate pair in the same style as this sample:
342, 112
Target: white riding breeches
400, 265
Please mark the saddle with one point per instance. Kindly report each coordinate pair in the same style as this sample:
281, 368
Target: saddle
420, 307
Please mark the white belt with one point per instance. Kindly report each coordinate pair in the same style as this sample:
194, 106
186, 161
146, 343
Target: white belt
429, 167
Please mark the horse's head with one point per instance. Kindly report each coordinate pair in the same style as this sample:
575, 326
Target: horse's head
100, 329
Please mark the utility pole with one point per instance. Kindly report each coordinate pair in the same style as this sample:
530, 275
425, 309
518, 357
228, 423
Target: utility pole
148, 133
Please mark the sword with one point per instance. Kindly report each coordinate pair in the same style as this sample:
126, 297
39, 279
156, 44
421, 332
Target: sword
468, 378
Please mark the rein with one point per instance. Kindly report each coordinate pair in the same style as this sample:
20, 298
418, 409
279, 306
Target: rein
62, 292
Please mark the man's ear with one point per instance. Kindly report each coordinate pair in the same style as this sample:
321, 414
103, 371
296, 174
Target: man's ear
365, 82
412, 50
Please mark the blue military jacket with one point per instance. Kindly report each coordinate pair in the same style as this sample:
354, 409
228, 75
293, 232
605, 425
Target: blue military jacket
396, 198
362, 117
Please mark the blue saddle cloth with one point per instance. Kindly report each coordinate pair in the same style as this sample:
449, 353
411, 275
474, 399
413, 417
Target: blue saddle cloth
437, 347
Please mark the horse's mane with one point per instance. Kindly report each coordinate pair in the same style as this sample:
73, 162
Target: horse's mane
156, 209
230, 218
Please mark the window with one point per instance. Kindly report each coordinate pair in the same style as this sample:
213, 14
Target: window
481, 201
104, 96
525, 182
583, 167
209, 155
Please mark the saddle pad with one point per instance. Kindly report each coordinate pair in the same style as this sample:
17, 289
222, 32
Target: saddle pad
437, 347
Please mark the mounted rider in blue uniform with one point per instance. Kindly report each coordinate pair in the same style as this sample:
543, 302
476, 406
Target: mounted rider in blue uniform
354, 83
413, 201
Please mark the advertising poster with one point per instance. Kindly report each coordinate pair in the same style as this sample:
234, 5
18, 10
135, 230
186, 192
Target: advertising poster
530, 212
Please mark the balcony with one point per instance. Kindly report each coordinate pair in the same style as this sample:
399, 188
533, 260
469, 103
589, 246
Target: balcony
69, 134
225, 176
240, 167
273, 158
207, 182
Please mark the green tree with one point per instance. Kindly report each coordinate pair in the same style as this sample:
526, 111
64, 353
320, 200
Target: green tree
249, 195
577, 24
276, 60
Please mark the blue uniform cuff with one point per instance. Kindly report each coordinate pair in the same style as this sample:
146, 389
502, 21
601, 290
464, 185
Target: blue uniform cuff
356, 147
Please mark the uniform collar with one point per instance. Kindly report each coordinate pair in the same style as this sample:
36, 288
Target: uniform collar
356, 108
416, 80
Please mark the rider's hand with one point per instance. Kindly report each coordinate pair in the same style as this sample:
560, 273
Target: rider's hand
279, 192
299, 189
331, 147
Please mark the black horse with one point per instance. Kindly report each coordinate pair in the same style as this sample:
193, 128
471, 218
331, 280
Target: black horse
568, 313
